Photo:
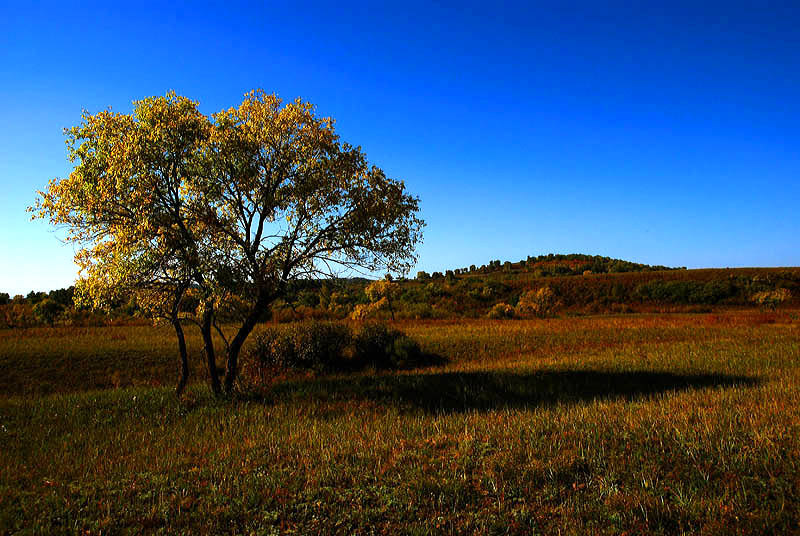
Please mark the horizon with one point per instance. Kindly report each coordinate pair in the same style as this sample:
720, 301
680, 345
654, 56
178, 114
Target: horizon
653, 135
478, 273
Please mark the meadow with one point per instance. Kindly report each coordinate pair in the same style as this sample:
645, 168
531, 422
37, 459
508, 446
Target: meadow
616, 424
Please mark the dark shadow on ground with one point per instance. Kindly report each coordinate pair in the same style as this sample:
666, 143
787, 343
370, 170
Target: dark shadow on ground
467, 391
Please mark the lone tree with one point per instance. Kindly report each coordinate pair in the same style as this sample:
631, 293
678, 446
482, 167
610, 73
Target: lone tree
166, 202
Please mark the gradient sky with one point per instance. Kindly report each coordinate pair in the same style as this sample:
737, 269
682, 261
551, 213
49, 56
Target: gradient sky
662, 134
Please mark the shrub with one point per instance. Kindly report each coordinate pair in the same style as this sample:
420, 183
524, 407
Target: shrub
330, 346
541, 303
47, 310
435, 290
309, 298
16, 315
417, 311
318, 346
273, 348
362, 311
770, 299
406, 353
686, 292
376, 345
501, 310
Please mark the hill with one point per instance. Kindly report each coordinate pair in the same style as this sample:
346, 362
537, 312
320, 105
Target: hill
576, 284
629, 288
554, 264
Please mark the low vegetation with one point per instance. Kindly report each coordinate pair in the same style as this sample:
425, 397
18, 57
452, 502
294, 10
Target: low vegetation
332, 347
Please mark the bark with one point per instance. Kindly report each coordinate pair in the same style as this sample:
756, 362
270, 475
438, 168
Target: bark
184, 379
208, 348
232, 366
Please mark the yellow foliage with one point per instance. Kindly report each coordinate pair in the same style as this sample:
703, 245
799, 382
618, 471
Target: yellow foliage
167, 201
541, 302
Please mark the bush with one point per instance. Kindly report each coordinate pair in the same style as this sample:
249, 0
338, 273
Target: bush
318, 346
686, 292
376, 345
417, 311
770, 299
501, 310
47, 311
362, 311
329, 347
406, 353
16, 315
273, 348
541, 303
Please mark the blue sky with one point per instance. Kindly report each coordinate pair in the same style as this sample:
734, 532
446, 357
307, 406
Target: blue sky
661, 134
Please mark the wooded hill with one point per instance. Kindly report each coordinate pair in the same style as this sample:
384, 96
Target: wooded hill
553, 265
576, 284
579, 284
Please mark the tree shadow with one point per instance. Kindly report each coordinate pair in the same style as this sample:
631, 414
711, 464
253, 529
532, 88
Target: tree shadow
451, 392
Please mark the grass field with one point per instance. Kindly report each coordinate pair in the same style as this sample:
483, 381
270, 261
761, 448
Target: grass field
637, 424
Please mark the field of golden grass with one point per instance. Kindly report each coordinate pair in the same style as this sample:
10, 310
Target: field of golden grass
637, 424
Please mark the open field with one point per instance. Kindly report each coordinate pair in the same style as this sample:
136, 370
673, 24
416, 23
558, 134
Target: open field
638, 424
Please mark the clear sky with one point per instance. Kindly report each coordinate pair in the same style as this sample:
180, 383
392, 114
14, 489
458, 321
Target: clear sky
663, 134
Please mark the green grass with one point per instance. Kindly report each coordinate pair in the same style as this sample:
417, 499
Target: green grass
645, 424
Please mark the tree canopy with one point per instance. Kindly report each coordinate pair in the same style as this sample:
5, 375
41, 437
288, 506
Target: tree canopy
228, 207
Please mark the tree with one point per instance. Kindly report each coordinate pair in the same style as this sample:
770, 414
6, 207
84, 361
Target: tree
47, 310
770, 299
382, 291
541, 302
127, 204
232, 207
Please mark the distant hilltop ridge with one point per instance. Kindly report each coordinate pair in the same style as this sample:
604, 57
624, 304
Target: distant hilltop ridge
554, 265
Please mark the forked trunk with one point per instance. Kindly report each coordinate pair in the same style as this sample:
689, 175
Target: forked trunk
208, 348
184, 379
232, 367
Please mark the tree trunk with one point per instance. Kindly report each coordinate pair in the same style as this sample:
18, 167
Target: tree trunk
184, 379
208, 348
235, 347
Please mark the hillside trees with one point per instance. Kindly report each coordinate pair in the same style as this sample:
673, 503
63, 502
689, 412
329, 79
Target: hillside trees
380, 293
167, 202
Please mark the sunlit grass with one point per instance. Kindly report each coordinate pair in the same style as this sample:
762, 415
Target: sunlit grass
642, 423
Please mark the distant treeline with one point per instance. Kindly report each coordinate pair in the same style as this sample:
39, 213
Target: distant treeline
63, 296
56, 307
476, 295
471, 295
552, 265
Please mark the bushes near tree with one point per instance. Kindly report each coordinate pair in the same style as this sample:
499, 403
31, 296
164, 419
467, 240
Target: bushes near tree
332, 347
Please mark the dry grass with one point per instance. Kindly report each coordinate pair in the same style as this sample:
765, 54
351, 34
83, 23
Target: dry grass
638, 424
